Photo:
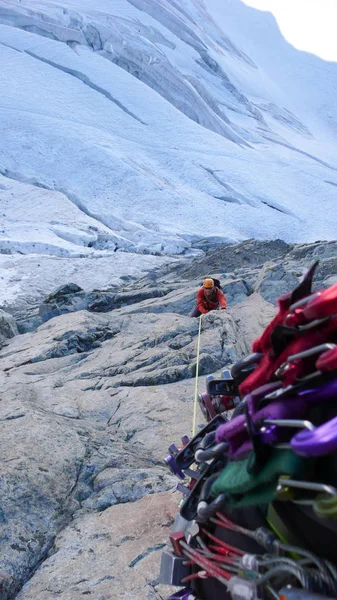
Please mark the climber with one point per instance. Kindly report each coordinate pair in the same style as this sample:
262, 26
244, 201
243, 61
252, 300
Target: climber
209, 297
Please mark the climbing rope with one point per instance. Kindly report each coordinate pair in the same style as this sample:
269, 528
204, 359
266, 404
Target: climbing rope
194, 425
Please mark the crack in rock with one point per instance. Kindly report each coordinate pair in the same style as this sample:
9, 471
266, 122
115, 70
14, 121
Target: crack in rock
140, 557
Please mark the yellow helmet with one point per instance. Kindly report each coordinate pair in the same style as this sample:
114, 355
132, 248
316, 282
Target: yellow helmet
208, 283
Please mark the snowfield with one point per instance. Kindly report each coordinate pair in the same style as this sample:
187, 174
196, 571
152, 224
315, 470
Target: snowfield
141, 126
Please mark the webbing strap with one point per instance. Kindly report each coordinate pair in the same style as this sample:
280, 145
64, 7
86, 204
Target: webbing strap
235, 480
194, 424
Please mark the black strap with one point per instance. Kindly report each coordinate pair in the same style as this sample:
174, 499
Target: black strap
304, 288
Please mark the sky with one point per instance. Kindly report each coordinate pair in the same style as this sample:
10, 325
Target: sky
308, 25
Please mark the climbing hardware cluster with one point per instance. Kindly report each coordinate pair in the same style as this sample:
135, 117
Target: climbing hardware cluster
258, 516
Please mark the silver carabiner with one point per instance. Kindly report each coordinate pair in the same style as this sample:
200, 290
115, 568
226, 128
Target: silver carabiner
304, 354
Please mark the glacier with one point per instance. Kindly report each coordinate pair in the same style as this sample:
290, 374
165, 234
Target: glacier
142, 126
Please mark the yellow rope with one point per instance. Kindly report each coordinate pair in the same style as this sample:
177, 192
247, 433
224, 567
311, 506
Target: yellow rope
196, 382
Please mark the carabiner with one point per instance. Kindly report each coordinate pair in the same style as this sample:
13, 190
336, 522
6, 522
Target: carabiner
206, 509
300, 355
185, 457
241, 369
210, 453
328, 360
271, 427
295, 316
189, 508
320, 441
324, 304
307, 486
325, 506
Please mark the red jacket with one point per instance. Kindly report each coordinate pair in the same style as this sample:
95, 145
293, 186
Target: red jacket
212, 302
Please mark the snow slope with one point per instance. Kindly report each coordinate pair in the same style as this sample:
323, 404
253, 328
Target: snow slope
144, 125
47, 241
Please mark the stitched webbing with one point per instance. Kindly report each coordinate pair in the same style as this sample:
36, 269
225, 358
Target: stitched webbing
235, 481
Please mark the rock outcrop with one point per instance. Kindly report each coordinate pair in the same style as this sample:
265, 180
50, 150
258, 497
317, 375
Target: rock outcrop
90, 401
8, 327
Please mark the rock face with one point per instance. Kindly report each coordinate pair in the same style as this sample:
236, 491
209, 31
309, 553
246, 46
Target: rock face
274, 281
245, 255
92, 398
116, 554
71, 298
8, 327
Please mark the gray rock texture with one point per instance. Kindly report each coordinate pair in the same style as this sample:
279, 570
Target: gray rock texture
8, 327
273, 281
90, 401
